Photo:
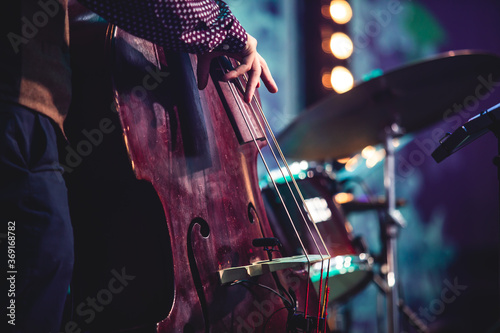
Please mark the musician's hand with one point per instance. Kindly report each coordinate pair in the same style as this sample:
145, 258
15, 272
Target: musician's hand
251, 62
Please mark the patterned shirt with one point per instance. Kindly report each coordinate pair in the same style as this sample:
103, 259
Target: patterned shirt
194, 26
34, 37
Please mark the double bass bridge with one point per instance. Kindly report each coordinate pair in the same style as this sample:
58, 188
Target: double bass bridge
258, 268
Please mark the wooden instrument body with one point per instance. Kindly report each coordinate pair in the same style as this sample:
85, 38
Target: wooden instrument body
191, 145
196, 206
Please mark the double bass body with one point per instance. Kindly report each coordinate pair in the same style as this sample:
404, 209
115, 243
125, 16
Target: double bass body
196, 153
189, 146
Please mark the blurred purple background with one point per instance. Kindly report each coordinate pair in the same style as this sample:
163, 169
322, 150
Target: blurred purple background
453, 235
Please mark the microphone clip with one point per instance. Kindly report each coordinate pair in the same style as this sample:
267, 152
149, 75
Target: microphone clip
268, 244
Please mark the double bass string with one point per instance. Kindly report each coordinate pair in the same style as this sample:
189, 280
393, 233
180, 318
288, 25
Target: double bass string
321, 305
238, 99
321, 309
278, 148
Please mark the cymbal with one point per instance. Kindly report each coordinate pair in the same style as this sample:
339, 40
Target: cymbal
413, 96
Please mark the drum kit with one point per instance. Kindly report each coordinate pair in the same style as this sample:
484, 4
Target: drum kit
377, 111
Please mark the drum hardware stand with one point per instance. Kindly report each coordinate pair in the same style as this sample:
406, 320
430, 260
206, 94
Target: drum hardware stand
390, 230
409, 313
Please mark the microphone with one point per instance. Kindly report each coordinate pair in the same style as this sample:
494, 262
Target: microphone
266, 242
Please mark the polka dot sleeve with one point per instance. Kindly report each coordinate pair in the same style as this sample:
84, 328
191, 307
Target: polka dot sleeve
194, 26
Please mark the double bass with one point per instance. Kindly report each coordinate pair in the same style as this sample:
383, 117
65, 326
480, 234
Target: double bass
193, 161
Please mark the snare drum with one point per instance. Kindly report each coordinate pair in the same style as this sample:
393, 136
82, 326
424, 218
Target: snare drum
350, 268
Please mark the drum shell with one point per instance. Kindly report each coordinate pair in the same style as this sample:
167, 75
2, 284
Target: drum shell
350, 268
318, 190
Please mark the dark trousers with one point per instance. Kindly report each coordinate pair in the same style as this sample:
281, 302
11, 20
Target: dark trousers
36, 229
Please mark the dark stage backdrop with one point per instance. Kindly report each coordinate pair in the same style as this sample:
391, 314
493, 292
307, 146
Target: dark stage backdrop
449, 250
448, 253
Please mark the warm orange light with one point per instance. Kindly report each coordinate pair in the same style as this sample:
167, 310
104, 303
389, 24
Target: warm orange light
352, 163
375, 158
395, 142
341, 79
340, 11
326, 80
325, 46
368, 151
325, 11
341, 45
343, 197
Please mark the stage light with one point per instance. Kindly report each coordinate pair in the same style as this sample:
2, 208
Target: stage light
341, 79
325, 11
326, 79
351, 165
343, 197
340, 11
318, 209
341, 45
325, 45
375, 158
368, 152
333, 71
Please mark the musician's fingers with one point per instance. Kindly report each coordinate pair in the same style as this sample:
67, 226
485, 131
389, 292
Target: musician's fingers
244, 67
267, 78
252, 63
253, 81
